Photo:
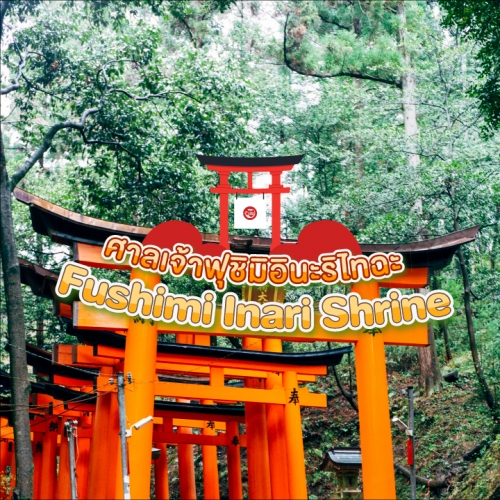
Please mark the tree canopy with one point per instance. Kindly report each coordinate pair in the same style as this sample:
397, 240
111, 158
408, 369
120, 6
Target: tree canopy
479, 21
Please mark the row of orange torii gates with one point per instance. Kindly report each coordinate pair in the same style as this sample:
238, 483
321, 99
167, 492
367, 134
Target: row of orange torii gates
78, 381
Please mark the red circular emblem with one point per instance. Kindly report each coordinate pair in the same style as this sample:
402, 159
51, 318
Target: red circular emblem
250, 213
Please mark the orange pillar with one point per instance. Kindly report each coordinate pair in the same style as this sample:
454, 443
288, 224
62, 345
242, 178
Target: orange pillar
185, 454
295, 447
210, 465
161, 473
114, 486
140, 353
101, 445
209, 453
83, 462
276, 432
49, 453
223, 213
373, 403
234, 462
259, 480
276, 213
82, 466
37, 462
4, 462
63, 488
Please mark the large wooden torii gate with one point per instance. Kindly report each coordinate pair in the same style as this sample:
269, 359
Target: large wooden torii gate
87, 235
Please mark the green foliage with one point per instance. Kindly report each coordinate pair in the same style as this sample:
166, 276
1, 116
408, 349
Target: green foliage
479, 21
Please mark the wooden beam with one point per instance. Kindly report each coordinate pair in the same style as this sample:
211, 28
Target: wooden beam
90, 255
90, 318
224, 393
83, 355
174, 438
411, 277
180, 418
227, 362
198, 424
62, 310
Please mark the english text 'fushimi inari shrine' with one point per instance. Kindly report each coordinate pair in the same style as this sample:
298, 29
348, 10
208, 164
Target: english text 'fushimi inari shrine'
119, 396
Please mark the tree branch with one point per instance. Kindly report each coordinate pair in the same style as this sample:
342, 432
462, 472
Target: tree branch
112, 143
432, 483
234, 342
103, 70
39, 89
133, 96
352, 74
151, 96
47, 142
331, 21
184, 22
15, 83
346, 395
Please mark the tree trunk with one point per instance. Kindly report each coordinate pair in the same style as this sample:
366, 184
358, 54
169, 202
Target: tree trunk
490, 400
16, 336
442, 324
444, 329
409, 84
430, 373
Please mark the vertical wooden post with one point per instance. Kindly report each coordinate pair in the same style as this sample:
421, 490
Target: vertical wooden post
185, 452
187, 482
294, 444
140, 353
276, 212
49, 453
373, 403
63, 489
209, 453
259, 479
276, 432
114, 479
4, 461
210, 467
224, 211
37, 462
82, 466
102, 443
161, 473
234, 461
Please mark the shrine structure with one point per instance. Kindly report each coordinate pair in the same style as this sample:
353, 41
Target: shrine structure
192, 392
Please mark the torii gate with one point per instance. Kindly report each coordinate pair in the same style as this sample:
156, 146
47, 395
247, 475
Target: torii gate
317, 238
376, 443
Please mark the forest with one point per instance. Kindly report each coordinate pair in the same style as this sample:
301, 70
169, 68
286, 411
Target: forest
396, 108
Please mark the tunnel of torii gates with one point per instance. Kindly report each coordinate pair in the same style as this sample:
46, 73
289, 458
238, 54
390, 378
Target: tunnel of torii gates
204, 385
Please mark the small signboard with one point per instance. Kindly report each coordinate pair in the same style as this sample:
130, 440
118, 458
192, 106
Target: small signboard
250, 213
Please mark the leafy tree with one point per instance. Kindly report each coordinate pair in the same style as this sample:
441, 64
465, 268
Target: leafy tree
479, 20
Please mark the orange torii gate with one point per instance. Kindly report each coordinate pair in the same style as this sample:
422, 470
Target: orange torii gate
371, 379
255, 365
141, 345
49, 442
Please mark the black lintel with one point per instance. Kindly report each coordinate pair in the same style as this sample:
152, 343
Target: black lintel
318, 358
272, 161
